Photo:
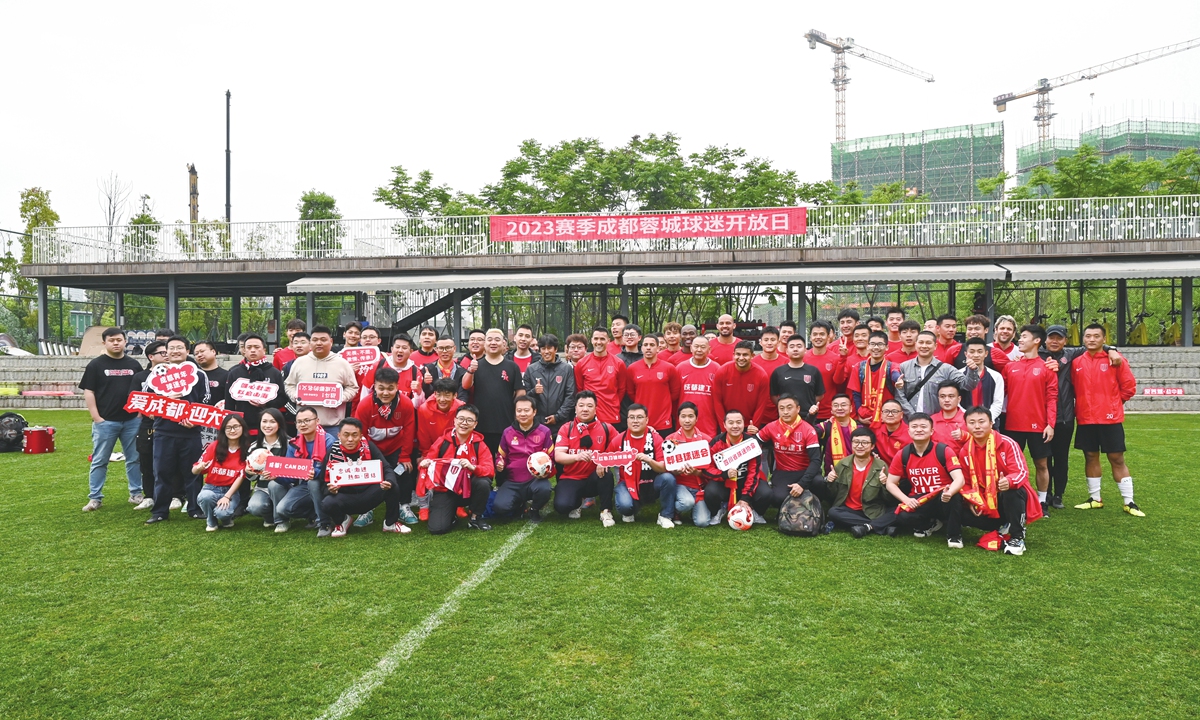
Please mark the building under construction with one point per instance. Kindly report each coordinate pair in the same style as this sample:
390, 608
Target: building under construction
1141, 139
943, 163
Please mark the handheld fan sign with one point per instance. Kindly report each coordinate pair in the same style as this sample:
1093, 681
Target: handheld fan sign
174, 379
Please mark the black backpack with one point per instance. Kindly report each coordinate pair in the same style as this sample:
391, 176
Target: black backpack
12, 432
801, 515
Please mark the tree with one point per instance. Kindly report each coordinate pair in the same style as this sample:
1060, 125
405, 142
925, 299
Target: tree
319, 235
114, 201
423, 197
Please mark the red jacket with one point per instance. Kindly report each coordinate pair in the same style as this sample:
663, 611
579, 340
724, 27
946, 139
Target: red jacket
748, 391
720, 353
1010, 463
446, 447
433, 423
1101, 390
606, 377
1032, 393
395, 432
655, 387
947, 353
829, 365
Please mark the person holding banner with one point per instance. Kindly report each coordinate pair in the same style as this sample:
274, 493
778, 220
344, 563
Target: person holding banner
272, 437
689, 480
743, 481
858, 501
459, 470
255, 367
223, 466
156, 353
323, 366
923, 477
388, 419
578, 475
177, 443
296, 498
523, 438
341, 503
646, 475
997, 491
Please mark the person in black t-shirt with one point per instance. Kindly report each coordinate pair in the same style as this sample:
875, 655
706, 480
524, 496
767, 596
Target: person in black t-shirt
799, 379
206, 358
494, 387
106, 384
156, 353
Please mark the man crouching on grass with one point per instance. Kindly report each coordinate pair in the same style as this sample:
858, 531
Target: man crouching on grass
342, 502
997, 495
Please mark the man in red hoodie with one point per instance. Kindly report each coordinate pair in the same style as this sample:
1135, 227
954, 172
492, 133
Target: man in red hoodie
742, 385
459, 470
654, 383
389, 421
947, 347
603, 374
1032, 404
1101, 391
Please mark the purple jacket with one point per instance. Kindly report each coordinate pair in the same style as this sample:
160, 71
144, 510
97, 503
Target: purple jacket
516, 446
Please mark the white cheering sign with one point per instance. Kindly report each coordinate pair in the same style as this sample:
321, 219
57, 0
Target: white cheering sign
364, 355
262, 391
694, 454
738, 454
367, 472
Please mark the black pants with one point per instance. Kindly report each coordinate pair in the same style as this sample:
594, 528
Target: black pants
145, 448
512, 496
924, 516
1060, 452
781, 480
443, 504
492, 440
845, 517
173, 460
1012, 513
569, 494
716, 496
360, 499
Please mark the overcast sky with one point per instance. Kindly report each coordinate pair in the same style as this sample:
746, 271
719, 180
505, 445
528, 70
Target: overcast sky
329, 96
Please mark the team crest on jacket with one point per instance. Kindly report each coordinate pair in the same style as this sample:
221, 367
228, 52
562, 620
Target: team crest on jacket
610, 370
1103, 367
808, 378
516, 442
829, 366
504, 375
749, 387
1037, 371
660, 376
558, 379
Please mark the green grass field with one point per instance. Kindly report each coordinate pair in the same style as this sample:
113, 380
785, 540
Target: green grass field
106, 618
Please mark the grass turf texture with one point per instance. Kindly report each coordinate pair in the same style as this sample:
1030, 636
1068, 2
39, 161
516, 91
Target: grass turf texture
105, 618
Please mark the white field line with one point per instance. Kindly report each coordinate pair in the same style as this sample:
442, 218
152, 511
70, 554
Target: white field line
357, 693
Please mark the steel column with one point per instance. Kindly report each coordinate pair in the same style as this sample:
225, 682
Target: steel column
487, 309
802, 320
1122, 311
235, 312
275, 311
989, 299
788, 313
1186, 292
952, 298
43, 321
310, 310
172, 304
119, 309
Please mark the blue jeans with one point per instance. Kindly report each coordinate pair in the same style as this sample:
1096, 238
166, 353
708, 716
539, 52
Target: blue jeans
104, 439
685, 500
207, 499
317, 491
296, 502
261, 505
664, 486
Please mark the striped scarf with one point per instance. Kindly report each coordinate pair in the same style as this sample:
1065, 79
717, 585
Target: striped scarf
337, 454
837, 444
873, 386
983, 489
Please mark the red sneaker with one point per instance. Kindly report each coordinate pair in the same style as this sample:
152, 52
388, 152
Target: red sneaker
462, 512
423, 514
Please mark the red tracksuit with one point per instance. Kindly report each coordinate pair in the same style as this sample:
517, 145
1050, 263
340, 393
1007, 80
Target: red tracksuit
1032, 393
697, 387
747, 391
1101, 390
606, 377
657, 387
391, 434
828, 365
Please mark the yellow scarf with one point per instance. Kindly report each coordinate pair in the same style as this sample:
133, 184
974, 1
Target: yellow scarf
983, 490
789, 429
873, 396
837, 446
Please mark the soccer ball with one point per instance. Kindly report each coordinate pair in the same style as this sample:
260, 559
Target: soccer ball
257, 461
540, 465
740, 518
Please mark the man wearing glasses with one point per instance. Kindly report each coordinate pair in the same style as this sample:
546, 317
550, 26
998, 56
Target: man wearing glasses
156, 353
859, 489
874, 381
459, 469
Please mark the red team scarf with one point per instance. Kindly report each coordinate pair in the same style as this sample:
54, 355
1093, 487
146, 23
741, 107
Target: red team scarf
629, 475
319, 445
789, 429
983, 490
385, 411
837, 444
873, 385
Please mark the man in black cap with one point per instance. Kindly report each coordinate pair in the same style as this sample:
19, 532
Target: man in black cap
1058, 359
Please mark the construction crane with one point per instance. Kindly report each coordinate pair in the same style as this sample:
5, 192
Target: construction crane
1044, 86
840, 47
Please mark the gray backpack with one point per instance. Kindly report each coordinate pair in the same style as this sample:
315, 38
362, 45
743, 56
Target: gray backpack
801, 515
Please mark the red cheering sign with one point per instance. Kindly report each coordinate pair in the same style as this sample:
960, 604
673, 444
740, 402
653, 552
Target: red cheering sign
285, 467
725, 223
175, 410
614, 459
696, 454
365, 355
262, 391
326, 394
1171, 391
367, 472
179, 379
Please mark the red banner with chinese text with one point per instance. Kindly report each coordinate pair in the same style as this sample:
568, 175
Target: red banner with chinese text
724, 223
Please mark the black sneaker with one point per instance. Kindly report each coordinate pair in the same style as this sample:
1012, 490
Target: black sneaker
479, 523
534, 516
858, 531
891, 531
1056, 502
154, 519
1046, 510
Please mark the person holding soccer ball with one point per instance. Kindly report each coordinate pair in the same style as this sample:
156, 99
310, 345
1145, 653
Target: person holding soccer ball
518, 442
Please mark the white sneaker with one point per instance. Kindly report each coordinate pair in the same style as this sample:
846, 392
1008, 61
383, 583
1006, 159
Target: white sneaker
718, 518
281, 527
665, 522
955, 543
145, 504
91, 505
627, 518
183, 508
268, 524
117, 457
340, 529
606, 518
176, 504
210, 528
937, 525
758, 519
397, 528
576, 514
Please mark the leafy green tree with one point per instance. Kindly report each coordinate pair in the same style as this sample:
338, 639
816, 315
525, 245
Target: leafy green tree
316, 236
36, 213
141, 237
424, 198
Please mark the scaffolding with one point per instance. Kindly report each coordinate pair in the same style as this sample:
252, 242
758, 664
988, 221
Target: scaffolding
1141, 139
942, 163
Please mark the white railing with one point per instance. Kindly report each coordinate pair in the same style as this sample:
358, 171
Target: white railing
916, 224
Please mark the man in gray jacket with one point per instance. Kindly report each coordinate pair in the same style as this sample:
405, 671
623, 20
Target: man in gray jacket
551, 383
924, 373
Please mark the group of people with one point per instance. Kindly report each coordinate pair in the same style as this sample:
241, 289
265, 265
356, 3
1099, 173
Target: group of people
889, 424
